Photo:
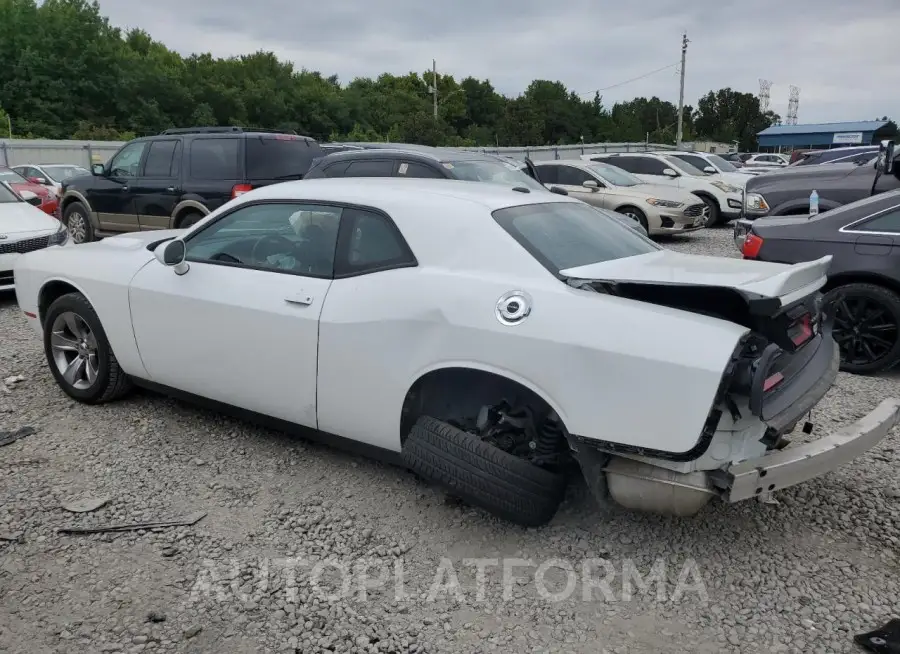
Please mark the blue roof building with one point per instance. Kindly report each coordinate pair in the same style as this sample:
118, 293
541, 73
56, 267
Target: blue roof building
823, 135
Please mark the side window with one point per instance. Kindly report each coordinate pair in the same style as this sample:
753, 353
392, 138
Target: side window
649, 166
697, 162
336, 169
295, 238
629, 164
417, 170
370, 168
215, 158
159, 159
569, 176
886, 222
548, 174
370, 242
128, 160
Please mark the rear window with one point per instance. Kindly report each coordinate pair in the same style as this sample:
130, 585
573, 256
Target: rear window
563, 235
280, 156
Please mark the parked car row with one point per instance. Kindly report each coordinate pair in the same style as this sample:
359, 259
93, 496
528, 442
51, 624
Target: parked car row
47, 199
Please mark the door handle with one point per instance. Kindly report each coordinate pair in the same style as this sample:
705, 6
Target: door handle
124, 188
301, 299
170, 189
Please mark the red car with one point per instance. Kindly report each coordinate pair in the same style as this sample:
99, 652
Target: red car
49, 202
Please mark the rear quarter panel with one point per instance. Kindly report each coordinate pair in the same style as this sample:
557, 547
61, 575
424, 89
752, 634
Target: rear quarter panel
614, 369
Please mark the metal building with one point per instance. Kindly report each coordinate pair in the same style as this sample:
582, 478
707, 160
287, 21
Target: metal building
780, 138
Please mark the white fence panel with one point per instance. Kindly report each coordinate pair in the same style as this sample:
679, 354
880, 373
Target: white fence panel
14, 152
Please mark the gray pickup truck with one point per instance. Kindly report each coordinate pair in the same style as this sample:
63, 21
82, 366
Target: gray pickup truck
786, 192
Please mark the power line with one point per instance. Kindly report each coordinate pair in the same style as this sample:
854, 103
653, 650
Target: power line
633, 79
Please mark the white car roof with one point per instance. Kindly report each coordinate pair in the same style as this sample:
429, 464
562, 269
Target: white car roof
386, 192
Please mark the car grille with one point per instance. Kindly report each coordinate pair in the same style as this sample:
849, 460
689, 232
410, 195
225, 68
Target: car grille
6, 277
695, 210
28, 245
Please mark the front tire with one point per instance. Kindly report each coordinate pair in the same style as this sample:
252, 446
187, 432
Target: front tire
77, 220
189, 220
78, 352
866, 327
637, 215
714, 213
481, 474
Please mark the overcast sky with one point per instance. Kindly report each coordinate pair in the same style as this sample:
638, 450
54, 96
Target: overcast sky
842, 55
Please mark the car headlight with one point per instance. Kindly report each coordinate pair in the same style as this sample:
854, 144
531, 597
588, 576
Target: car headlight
59, 237
669, 204
725, 188
756, 203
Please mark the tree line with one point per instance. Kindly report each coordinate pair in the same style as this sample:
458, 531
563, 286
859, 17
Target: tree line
65, 72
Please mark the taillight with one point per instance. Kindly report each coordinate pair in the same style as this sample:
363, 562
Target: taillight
772, 381
801, 330
752, 245
240, 189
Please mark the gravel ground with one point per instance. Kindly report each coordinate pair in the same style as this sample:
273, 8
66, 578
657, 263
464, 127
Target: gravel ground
262, 571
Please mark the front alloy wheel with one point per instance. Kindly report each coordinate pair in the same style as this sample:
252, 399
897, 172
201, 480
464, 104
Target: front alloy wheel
74, 348
77, 224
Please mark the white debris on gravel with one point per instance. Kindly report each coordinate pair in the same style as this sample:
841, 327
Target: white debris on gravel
288, 521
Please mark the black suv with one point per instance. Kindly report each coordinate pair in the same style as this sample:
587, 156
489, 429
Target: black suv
174, 179
422, 162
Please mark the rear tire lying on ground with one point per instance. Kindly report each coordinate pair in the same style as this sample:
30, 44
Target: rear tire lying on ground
481, 474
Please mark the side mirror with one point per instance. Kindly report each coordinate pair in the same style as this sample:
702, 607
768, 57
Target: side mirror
172, 253
668, 172
885, 162
710, 170
98, 169
591, 184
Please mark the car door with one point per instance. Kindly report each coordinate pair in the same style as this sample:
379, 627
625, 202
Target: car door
877, 238
156, 190
572, 179
241, 325
111, 197
374, 269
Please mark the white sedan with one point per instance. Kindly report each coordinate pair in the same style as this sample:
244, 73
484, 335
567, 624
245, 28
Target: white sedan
23, 228
493, 340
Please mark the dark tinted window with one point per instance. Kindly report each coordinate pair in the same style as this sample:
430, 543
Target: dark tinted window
417, 170
697, 162
570, 176
336, 169
279, 156
650, 166
548, 174
370, 168
569, 234
886, 222
631, 164
370, 242
159, 159
215, 158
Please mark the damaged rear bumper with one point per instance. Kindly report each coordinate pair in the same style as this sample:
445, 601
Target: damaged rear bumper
800, 463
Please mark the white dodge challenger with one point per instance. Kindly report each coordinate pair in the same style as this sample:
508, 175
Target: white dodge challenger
494, 340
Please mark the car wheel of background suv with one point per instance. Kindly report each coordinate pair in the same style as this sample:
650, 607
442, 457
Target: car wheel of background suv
77, 221
713, 218
190, 219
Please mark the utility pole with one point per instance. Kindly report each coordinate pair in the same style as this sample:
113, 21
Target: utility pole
680, 133
434, 91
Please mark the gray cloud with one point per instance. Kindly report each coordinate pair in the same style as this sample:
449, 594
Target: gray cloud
841, 55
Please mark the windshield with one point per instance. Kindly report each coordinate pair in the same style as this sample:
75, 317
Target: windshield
11, 176
61, 173
722, 164
563, 235
685, 167
7, 195
615, 176
493, 172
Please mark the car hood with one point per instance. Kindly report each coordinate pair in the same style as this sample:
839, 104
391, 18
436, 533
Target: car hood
800, 174
21, 218
668, 268
735, 179
133, 240
37, 189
